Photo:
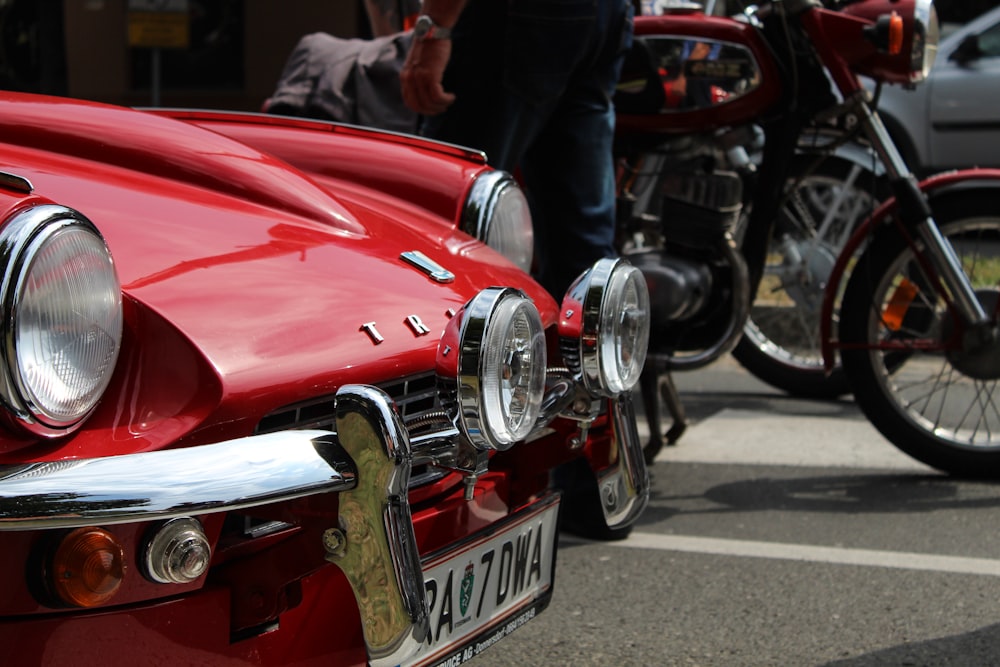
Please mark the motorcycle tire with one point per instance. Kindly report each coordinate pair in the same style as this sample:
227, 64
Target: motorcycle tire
934, 400
781, 338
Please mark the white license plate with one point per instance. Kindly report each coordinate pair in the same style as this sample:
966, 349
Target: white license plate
488, 587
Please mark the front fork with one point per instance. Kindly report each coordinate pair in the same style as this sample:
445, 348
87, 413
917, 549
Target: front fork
913, 206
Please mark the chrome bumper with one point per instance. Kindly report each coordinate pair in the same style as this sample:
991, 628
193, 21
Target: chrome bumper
378, 555
229, 475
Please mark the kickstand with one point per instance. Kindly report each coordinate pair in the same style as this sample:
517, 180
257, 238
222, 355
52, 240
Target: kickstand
655, 385
668, 390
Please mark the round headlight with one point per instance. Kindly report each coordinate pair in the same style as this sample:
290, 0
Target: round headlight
501, 368
497, 214
63, 317
606, 316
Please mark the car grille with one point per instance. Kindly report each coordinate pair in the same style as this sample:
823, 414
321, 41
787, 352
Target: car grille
416, 398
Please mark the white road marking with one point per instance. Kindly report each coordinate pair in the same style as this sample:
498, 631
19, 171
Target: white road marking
799, 552
747, 437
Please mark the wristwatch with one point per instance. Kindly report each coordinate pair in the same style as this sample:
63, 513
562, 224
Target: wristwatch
425, 28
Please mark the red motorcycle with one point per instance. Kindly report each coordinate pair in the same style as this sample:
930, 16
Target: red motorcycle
708, 222
741, 175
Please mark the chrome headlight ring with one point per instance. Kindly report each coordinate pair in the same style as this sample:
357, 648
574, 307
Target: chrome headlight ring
604, 327
496, 212
926, 35
499, 369
62, 318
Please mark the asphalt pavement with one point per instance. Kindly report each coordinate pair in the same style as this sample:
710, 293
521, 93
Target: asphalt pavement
779, 532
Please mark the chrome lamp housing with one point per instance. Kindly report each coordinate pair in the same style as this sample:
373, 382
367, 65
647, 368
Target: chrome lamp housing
604, 327
62, 318
927, 34
496, 212
493, 353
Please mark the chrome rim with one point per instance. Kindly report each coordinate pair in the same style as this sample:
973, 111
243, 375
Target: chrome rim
814, 224
929, 388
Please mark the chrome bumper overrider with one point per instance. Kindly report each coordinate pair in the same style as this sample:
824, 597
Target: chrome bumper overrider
378, 555
624, 488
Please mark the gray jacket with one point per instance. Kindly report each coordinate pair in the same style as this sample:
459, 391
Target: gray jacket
352, 81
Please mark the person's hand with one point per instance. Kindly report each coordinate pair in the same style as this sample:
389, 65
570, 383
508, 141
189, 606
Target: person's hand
421, 77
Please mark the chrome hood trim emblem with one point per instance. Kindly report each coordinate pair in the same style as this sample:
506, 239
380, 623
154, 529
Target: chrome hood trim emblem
425, 264
15, 182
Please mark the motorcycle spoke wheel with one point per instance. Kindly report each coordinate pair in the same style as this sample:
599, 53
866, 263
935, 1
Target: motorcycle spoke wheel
781, 340
927, 393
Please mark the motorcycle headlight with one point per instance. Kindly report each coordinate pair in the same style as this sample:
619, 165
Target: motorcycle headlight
903, 36
499, 368
926, 35
497, 214
62, 312
604, 326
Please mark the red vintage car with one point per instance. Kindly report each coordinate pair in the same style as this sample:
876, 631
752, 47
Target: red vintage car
279, 391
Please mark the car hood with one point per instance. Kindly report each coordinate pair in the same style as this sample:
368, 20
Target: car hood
274, 279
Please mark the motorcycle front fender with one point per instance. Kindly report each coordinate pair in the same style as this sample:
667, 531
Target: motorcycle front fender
947, 182
857, 153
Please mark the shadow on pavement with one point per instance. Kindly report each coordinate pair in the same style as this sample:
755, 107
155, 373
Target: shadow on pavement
879, 493
831, 494
980, 647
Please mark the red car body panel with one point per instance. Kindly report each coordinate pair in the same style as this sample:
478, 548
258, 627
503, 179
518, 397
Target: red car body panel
296, 248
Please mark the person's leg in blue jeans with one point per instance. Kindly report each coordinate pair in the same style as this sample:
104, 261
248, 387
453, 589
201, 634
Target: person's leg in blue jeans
570, 168
533, 81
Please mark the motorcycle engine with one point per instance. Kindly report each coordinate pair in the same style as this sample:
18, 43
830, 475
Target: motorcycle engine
681, 238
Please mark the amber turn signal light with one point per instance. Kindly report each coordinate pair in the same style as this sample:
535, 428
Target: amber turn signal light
88, 567
896, 33
887, 33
